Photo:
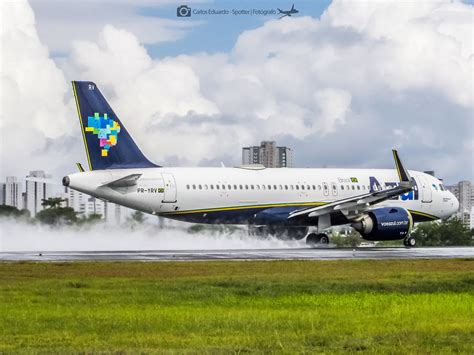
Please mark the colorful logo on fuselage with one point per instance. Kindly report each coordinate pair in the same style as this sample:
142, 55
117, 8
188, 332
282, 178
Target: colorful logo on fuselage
106, 129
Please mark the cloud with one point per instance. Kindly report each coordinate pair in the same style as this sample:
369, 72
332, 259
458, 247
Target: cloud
33, 111
342, 90
62, 22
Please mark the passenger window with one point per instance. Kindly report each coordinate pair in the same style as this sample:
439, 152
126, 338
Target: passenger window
342, 187
281, 187
200, 187
246, 187
363, 187
205, 187
251, 186
325, 187
353, 188
187, 186
235, 187
241, 187
302, 187
194, 187
212, 187
223, 187
269, 187
291, 187
358, 187
274, 187
257, 186
286, 187
297, 187
217, 187
263, 187
308, 187
333, 186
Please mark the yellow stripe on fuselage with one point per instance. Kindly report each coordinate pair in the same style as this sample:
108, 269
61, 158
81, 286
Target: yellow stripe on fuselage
423, 214
232, 208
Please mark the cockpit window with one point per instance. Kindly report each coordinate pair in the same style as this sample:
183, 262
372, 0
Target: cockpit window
442, 188
435, 187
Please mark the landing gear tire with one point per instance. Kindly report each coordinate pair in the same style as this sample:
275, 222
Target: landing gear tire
314, 239
409, 242
324, 239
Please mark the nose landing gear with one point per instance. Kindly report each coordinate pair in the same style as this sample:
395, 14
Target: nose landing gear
314, 239
409, 242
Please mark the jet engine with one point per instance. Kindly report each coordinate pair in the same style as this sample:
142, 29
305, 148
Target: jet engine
387, 223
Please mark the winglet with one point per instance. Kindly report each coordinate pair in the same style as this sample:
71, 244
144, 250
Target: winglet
402, 172
79, 167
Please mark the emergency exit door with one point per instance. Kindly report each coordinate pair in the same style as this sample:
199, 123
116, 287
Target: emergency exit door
170, 188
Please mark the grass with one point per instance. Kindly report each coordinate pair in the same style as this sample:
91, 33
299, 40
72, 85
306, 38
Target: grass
421, 306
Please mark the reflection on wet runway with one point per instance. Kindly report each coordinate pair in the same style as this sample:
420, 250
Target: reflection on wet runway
243, 254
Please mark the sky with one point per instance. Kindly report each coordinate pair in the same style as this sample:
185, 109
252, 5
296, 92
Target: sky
340, 82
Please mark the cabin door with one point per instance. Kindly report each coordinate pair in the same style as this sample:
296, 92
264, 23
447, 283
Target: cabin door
170, 188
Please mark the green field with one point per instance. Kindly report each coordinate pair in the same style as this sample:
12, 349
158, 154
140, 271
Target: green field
422, 306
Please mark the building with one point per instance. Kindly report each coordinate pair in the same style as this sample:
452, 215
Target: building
12, 192
285, 157
464, 192
471, 226
86, 205
251, 155
268, 155
37, 190
2, 192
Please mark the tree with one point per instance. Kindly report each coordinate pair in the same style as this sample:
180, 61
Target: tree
57, 216
52, 202
445, 233
93, 218
10, 211
138, 217
353, 239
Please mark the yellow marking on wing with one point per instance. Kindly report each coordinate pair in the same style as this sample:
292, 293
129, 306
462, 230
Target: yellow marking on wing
395, 157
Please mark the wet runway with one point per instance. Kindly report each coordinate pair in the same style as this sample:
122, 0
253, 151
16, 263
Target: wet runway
244, 254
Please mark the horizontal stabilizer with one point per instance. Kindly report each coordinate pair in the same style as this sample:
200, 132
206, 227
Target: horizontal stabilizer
129, 180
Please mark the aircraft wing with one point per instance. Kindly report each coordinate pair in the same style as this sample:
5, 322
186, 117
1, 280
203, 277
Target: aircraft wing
362, 202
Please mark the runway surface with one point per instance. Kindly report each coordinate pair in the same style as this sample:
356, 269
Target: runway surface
244, 254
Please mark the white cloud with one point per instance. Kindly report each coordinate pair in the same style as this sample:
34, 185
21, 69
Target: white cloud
342, 90
62, 22
33, 113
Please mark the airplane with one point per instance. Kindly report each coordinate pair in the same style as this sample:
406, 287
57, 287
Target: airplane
291, 203
289, 12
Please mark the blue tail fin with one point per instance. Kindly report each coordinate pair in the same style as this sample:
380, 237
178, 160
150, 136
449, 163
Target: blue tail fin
108, 144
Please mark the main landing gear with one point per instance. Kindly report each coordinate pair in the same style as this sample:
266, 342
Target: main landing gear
314, 239
409, 242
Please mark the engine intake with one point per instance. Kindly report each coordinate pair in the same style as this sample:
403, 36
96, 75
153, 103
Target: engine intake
387, 223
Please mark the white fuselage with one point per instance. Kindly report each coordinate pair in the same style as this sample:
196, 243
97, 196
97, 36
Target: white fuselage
194, 194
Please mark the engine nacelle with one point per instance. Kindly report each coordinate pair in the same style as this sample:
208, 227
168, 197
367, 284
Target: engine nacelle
387, 223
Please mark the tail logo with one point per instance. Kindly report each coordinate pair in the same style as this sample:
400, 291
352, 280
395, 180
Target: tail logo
106, 129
